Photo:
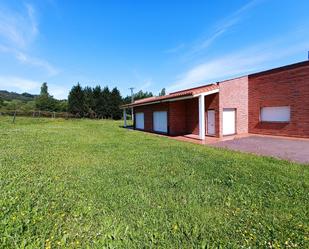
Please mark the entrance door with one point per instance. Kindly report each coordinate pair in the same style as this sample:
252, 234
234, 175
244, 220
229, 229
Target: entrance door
229, 121
160, 122
211, 122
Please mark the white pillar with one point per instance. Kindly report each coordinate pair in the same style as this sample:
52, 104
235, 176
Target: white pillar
132, 113
201, 112
125, 117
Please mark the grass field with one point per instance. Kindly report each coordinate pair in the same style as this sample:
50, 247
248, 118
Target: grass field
92, 184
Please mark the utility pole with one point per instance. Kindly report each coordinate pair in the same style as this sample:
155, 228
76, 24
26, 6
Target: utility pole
132, 100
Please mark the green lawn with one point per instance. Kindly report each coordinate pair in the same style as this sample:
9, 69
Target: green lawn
88, 183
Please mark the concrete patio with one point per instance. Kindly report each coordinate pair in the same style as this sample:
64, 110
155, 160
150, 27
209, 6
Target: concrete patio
287, 148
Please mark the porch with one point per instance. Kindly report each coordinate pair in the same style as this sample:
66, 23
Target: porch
186, 113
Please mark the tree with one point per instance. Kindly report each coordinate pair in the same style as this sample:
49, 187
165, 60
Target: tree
106, 107
89, 101
13, 105
76, 101
28, 106
1, 102
97, 101
44, 101
115, 102
44, 89
139, 95
162, 93
62, 106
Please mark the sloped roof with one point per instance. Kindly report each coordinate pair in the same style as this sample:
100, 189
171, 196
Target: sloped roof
174, 95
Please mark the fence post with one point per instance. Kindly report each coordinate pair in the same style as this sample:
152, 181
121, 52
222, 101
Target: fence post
14, 117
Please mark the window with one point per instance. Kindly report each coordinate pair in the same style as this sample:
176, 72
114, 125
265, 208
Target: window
275, 114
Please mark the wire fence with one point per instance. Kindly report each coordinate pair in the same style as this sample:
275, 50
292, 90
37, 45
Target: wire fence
47, 114
37, 114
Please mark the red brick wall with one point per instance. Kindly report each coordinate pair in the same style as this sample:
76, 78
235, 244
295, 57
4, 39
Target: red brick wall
177, 117
289, 87
192, 116
234, 94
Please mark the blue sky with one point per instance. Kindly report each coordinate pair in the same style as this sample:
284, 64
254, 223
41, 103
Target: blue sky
145, 44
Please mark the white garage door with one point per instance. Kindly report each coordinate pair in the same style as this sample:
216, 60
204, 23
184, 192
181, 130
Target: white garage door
229, 121
160, 122
139, 120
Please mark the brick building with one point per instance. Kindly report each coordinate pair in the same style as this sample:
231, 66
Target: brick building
273, 102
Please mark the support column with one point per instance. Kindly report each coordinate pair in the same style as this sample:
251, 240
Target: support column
132, 114
201, 112
125, 117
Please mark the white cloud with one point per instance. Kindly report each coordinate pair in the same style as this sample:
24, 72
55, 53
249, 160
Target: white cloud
32, 61
145, 85
59, 92
218, 30
18, 84
13, 83
142, 83
175, 49
33, 20
18, 30
240, 62
4, 49
224, 25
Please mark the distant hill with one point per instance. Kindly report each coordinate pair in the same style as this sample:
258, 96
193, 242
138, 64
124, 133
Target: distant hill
5, 95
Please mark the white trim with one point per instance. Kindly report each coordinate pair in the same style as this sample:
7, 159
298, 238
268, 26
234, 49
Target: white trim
201, 112
164, 100
176, 99
206, 93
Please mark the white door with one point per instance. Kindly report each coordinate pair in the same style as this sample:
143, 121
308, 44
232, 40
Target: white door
160, 122
229, 120
139, 120
211, 122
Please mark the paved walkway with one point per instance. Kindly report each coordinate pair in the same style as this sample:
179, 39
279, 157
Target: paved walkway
285, 148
